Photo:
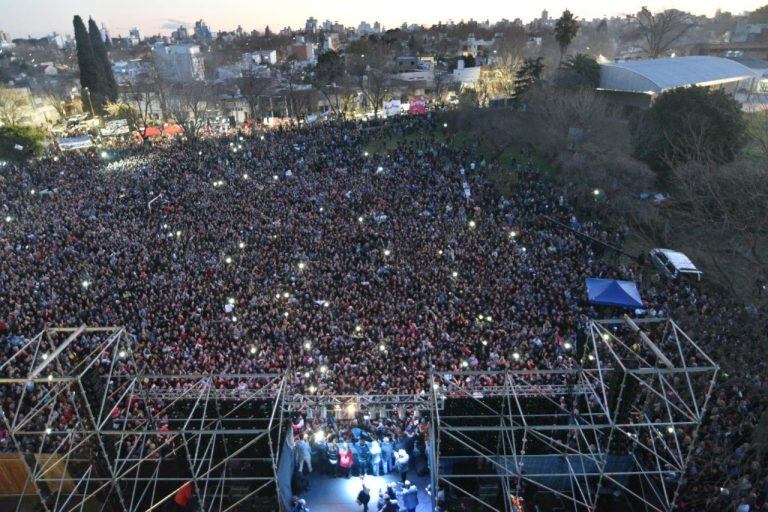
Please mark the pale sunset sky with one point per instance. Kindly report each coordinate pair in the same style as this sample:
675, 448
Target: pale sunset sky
41, 17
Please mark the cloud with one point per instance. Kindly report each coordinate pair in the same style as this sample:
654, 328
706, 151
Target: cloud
174, 24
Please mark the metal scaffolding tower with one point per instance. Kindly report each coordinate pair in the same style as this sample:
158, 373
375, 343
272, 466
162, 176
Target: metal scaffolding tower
95, 428
616, 419
619, 423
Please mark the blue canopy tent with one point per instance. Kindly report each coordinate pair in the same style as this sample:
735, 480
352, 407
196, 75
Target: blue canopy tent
611, 292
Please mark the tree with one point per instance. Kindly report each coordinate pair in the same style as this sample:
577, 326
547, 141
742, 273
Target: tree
108, 82
759, 16
586, 68
11, 106
566, 29
528, 74
90, 75
13, 137
189, 107
252, 88
329, 77
689, 124
661, 31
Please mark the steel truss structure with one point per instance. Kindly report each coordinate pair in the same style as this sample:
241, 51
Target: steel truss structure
619, 423
97, 431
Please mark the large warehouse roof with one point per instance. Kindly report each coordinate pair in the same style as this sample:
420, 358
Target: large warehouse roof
653, 76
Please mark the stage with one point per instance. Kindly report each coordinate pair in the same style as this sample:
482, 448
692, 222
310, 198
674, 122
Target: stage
328, 494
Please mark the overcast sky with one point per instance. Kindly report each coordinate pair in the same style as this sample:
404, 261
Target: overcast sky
41, 17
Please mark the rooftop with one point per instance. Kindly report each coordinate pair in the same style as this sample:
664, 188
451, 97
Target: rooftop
657, 75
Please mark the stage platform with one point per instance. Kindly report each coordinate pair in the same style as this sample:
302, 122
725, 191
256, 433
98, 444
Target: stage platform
329, 494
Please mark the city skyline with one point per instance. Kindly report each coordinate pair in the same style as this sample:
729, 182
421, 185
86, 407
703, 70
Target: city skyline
37, 18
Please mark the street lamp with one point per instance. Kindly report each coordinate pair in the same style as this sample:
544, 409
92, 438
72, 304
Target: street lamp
88, 92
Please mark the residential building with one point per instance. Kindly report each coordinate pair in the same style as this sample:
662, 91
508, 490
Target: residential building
181, 34
472, 46
311, 26
302, 50
331, 42
179, 62
131, 71
202, 32
135, 33
259, 58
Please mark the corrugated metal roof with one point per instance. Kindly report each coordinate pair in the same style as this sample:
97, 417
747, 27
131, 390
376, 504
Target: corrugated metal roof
658, 75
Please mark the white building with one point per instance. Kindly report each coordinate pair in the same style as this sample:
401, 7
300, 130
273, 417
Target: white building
129, 72
179, 62
259, 58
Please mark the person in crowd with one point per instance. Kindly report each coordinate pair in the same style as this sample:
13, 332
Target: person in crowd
364, 497
346, 460
387, 455
300, 506
375, 450
363, 457
303, 454
402, 461
410, 496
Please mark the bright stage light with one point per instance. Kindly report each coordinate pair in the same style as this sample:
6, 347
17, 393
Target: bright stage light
512, 234
85, 284
241, 245
387, 252
567, 346
286, 295
472, 224
358, 328
516, 356
8, 218
383, 347
122, 354
307, 345
312, 389
671, 429
302, 265
455, 274
323, 369
464, 364
253, 350
319, 436
48, 430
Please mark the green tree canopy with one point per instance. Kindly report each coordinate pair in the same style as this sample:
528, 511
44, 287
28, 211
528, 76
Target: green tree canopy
566, 29
90, 70
759, 15
689, 124
586, 68
108, 82
28, 138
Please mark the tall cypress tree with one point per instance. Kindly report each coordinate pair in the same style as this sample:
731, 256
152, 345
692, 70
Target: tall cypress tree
102, 59
90, 74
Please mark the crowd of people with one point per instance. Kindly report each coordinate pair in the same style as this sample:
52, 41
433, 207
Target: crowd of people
358, 270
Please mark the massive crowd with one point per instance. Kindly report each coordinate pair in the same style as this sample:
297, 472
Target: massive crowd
256, 252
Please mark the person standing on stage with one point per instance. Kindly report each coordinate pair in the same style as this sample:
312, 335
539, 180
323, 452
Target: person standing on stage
363, 497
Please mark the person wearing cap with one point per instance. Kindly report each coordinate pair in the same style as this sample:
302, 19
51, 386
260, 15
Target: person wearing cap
401, 464
410, 496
